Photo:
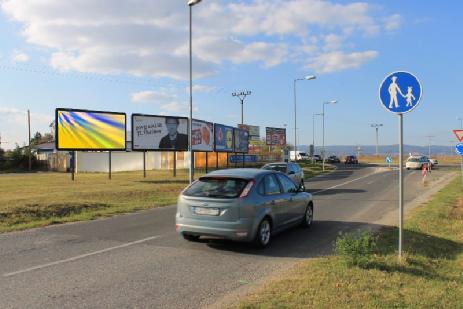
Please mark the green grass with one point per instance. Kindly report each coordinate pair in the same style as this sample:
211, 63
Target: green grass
430, 274
311, 170
40, 199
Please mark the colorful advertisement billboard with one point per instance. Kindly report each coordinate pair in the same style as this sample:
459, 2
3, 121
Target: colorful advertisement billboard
223, 138
78, 129
241, 140
202, 135
152, 132
275, 136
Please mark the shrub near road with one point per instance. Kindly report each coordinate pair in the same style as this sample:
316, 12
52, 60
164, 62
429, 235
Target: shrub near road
430, 275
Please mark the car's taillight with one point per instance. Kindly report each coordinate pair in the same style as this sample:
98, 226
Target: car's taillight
248, 188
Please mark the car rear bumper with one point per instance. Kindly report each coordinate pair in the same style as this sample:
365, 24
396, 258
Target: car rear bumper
242, 230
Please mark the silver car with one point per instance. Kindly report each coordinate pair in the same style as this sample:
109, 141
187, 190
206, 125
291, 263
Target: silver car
292, 170
242, 204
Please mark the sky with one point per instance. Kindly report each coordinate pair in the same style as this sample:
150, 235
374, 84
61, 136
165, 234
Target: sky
132, 56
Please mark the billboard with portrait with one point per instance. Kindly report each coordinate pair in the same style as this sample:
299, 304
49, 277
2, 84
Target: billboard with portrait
78, 129
241, 140
275, 136
202, 135
223, 138
152, 132
254, 131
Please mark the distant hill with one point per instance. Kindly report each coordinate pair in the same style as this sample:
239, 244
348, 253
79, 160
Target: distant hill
382, 149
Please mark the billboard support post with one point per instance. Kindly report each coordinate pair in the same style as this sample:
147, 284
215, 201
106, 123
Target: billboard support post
175, 164
244, 158
227, 161
144, 164
216, 160
73, 165
206, 161
110, 165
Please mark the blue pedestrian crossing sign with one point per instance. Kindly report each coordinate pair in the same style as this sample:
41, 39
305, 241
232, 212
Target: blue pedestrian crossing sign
459, 149
400, 92
388, 160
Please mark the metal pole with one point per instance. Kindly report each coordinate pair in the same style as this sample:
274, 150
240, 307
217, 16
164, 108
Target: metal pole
216, 160
401, 185
377, 129
175, 164
323, 154
73, 165
206, 161
295, 123
144, 164
242, 116
227, 161
29, 126
313, 138
190, 122
461, 160
244, 158
110, 165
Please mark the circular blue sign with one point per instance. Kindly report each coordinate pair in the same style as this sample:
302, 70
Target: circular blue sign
400, 92
459, 149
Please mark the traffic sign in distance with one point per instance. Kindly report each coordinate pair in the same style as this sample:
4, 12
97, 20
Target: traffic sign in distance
459, 149
400, 92
459, 134
388, 160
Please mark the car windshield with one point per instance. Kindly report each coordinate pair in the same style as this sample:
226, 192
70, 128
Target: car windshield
275, 167
216, 187
413, 160
302, 154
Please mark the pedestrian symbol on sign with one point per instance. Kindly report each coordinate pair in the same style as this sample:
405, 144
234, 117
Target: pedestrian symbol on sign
400, 92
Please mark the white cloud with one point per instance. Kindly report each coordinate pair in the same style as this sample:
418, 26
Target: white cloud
158, 97
201, 89
393, 22
19, 56
338, 61
150, 38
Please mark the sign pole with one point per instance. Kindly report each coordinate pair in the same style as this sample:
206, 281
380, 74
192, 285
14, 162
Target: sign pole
206, 161
216, 160
73, 164
175, 163
401, 185
461, 160
109, 165
227, 161
144, 164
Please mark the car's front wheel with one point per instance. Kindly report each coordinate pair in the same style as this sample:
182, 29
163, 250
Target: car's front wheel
308, 216
264, 233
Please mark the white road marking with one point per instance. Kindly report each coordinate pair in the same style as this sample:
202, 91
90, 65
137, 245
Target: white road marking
79, 257
342, 184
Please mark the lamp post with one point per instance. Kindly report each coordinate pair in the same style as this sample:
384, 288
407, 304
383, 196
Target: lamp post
376, 126
323, 113
461, 122
429, 145
241, 95
191, 3
308, 77
313, 134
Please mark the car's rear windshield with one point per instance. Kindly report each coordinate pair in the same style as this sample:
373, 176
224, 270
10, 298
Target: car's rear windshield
302, 154
216, 187
413, 160
275, 167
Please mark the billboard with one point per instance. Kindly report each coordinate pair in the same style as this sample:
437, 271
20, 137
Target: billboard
241, 140
202, 135
152, 132
223, 138
78, 129
254, 131
275, 136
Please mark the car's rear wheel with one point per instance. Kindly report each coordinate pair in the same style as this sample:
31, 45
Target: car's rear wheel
264, 233
308, 216
190, 237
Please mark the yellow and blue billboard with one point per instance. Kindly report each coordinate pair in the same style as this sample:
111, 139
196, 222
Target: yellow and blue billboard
90, 130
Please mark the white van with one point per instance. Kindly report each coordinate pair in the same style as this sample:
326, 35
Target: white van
298, 155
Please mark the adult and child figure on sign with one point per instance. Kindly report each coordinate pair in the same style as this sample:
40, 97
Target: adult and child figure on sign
394, 89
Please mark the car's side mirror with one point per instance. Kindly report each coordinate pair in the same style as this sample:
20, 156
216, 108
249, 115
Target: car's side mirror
301, 188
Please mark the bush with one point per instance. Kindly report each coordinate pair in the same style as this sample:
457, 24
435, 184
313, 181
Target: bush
355, 249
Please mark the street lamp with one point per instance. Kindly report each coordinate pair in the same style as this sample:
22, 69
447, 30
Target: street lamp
461, 122
313, 135
191, 3
308, 77
429, 145
241, 95
323, 113
376, 126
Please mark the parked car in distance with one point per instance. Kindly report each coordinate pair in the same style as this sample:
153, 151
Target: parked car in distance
333, 159
298, 155
242, 204
316, 158
416, 162
292, 170
351, 160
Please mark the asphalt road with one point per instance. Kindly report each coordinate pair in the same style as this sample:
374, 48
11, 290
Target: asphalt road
138, 260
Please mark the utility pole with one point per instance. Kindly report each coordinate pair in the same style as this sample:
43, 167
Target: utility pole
30, 151
429, 145
376, 126
241, 95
